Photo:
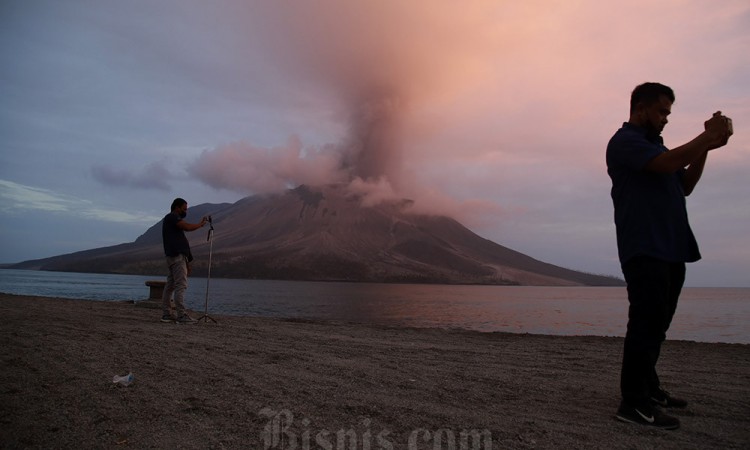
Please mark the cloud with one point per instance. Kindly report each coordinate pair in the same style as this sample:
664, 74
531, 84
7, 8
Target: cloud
153, 176
19, 197
16, 198
250, 169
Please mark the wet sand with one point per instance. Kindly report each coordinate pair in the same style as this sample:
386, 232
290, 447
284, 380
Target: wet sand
257, 383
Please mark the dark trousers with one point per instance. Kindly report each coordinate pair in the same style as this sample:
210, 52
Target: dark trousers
653, 290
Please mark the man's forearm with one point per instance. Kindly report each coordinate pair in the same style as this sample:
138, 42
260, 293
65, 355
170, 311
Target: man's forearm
693, 174
184, 226
682, 156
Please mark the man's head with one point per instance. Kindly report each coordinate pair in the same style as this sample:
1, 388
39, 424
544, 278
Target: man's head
180, 207
650, 104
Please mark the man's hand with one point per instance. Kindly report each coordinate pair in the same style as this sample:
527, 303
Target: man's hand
719, 129
716, 134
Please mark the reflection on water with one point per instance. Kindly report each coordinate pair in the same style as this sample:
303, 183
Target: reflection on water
704, 314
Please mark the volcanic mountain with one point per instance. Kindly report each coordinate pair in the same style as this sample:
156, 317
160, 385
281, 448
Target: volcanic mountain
325, 233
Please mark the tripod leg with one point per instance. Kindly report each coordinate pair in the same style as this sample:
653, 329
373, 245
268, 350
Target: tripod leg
205, 317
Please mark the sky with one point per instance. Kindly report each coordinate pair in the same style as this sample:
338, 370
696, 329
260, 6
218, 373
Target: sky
496, 113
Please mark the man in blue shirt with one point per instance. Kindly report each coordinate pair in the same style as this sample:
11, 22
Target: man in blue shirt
179, 257
654, 239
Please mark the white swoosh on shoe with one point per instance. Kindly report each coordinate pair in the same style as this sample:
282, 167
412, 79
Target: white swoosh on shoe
649, 419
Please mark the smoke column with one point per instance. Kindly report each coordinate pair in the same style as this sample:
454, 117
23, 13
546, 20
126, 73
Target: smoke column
373, 64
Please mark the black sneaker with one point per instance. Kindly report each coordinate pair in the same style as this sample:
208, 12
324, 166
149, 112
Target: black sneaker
652, 417
185, 318
166, 318
664, 399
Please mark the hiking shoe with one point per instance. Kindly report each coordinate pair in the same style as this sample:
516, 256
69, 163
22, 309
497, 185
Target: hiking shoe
652, 417
166, 318
664, 399
186, 319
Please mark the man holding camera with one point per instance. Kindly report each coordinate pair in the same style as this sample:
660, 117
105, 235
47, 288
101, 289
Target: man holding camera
654, 239
179, 257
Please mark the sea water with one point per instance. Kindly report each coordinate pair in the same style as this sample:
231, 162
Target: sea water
703, 314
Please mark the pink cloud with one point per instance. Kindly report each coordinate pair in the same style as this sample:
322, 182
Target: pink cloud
249, 169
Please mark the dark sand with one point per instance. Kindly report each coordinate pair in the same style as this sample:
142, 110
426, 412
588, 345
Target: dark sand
248, 382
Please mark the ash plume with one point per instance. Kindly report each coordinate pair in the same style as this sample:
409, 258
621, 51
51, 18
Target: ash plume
373, 148
371, 65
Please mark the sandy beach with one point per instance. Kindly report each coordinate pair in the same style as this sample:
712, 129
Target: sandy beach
257, 383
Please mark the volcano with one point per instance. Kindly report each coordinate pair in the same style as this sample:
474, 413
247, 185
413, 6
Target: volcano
325, 234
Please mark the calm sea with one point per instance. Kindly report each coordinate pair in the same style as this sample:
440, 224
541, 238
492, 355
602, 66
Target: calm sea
704, 314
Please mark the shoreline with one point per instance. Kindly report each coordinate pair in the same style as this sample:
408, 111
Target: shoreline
249, 381
705, 314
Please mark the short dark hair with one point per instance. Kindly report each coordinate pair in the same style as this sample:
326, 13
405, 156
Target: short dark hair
649, 93
177, 203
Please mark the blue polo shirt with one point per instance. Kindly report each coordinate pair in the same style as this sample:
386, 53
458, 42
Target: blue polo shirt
650, 212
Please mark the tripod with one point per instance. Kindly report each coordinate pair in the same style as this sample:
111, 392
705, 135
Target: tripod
205, 317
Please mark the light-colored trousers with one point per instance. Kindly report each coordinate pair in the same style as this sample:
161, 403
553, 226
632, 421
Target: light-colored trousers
177, 283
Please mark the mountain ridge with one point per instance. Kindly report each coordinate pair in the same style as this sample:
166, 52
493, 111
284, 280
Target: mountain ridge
324, 233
